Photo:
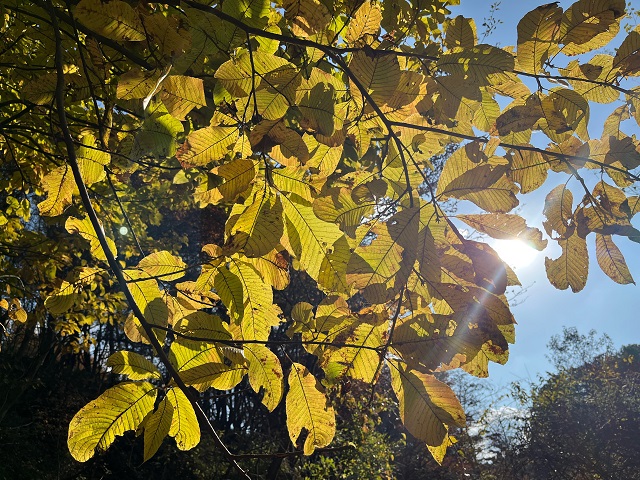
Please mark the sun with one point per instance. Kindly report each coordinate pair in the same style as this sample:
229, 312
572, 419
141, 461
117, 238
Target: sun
514, 252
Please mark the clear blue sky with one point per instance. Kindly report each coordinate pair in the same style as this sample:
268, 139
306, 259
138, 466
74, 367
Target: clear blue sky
602, 305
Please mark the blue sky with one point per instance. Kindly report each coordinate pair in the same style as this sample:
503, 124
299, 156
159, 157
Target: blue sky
602, 305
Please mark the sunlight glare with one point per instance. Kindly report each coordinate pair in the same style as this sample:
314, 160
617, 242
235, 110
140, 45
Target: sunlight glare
514, 252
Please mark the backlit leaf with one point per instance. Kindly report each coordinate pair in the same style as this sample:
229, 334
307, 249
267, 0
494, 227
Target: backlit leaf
505, 226
156, 428
114, 19
184, 423
265, 374
589, 24
427, 406
611, 260
307, 408
365, 21
133, 365
117, 410
572, 267
163, 265
536, 37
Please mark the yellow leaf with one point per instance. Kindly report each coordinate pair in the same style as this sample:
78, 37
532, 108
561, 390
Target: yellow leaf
308, 17
181, 94
484, 183
148, 298
265, 374
558, 208
237, 176
572, 267
597, 73
136, 84
339, 206
259, 228
460, 32
505, 226
163, 265
259, 313
156, 428
117, 410
378, 74
91, 160
363, 363
184, 423
59, 186
209, 144
529, 169
476, 64
307, 408
427, 406
365, 21
63, 300
133, 365
537, 33
565, 112
590, 24
438, 452
611, 260
313, 242
380, 265
202, 325
627, 57
203, 365
85, 228
115, 19
157, 136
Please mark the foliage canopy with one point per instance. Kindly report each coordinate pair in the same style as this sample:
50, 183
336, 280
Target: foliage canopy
311, 128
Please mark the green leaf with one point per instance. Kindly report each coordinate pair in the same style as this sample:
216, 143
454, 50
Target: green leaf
117, 410
133, 365
307, 408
